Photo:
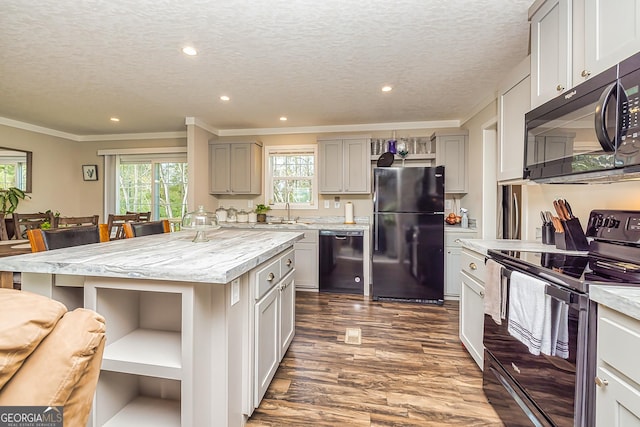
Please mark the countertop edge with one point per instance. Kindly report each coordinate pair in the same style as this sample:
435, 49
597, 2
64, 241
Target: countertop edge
624, 299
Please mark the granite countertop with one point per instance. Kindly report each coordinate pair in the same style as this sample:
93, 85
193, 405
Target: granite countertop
625, 299
228, 254
483, 245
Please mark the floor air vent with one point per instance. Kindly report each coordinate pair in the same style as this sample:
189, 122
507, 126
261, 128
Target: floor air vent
353, 336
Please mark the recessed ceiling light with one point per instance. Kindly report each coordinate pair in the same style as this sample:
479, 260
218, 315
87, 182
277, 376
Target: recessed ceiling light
188, 50
387, 88
224, 98
283, 119
114, 119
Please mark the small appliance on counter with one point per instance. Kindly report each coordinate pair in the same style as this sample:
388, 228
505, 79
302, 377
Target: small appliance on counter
566, 350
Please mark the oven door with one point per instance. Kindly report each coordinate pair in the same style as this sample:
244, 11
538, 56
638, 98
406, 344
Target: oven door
555, 384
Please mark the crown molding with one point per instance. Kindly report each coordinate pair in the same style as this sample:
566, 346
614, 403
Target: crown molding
342, 128
479, 107
203, 125
37, 129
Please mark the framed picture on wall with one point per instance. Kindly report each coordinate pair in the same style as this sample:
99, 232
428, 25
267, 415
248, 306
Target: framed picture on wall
90, 172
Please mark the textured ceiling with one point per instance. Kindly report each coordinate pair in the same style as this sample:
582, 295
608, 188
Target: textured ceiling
70, 65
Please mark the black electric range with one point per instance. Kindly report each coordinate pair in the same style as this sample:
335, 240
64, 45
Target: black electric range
613, 256
556, 390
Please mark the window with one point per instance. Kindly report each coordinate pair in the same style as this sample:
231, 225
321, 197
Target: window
291, 177
156, 184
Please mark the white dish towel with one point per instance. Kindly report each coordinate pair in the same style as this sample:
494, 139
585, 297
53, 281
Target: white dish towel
493, 293
530, 313
559, 329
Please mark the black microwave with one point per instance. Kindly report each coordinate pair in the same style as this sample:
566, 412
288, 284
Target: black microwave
591, 132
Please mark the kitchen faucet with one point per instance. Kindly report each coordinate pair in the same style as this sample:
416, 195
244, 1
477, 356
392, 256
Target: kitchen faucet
288, 207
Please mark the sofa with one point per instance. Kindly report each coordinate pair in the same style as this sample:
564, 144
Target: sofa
49, 356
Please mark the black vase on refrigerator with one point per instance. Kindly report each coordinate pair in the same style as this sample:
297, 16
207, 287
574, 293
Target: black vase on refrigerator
408, 234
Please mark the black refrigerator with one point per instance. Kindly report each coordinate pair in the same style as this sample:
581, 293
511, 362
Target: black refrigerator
408, 234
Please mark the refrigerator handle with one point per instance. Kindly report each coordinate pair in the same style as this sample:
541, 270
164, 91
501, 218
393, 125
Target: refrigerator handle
375, 193
514, 234
376, 232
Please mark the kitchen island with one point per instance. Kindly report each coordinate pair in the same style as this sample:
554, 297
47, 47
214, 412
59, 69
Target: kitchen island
195, 331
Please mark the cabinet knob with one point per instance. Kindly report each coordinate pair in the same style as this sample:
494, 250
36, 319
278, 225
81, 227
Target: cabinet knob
559, 88
289, 262
270, 277
585, 73
601, 382
473, 266
481, 294
457, 241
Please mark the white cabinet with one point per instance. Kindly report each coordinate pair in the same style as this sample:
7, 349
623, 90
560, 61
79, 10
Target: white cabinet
343, 166
611, 34
452, 251
267, 336
572, 40
472, 277
235, 168
513, 103
273, 293
451, 152
550, 51
618, 373
307, 261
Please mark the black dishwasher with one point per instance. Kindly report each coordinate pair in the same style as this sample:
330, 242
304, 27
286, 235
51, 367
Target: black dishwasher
341, 261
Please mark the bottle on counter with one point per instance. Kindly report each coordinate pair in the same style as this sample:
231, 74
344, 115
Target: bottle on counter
464, 222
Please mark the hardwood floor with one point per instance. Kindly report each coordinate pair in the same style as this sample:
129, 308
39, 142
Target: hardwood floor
409, 370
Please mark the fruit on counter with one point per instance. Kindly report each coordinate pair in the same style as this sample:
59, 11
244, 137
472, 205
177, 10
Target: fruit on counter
452, 219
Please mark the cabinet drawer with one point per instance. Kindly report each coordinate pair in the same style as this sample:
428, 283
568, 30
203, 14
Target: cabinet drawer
452, 239
614, 329
287, 263
473, 264
267, 277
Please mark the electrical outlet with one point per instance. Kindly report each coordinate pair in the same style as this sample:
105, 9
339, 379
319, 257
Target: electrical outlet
235, 291
538, 233
250, 204
327, 205
448, 205
336, 205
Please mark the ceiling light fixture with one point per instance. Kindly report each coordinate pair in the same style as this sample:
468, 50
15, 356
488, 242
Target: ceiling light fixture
114, 119
188, 50
387, 88
224, 98
283, 119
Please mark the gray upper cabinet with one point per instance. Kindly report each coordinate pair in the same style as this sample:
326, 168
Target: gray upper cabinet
344, 166
550, 51
451, 152
513, 103
235, 167
572, 40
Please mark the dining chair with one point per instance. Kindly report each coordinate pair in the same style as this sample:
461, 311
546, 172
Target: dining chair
142, 216
57, 238
4, 235
138, 229
115, 223
23, 222
75, 221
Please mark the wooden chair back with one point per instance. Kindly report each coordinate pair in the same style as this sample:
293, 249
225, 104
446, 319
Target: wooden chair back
57, 238
4, 234
23, 222
115, 223
138, 229
74, 221
142, 216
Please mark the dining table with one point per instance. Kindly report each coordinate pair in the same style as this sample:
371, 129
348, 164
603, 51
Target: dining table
9, 248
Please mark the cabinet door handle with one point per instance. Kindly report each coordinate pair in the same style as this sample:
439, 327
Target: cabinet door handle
601, 382
473, 266
559, 88
270, 277
289, 262
585, 73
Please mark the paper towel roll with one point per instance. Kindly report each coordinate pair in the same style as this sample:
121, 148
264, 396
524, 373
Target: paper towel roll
348, 213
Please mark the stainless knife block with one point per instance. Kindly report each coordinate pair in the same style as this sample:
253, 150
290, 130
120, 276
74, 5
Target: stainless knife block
573, 238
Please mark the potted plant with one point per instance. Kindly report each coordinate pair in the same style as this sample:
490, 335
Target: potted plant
9, 200
261, 211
